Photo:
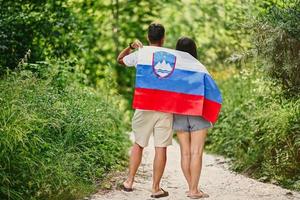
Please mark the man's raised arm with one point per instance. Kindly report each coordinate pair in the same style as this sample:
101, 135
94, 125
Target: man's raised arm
134, 45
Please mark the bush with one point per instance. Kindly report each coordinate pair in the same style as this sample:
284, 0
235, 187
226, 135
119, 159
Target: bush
277, 40
45, 28
259, 129
57, 137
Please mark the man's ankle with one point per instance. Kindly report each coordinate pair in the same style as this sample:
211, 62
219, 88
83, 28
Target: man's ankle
129, 180
155, 188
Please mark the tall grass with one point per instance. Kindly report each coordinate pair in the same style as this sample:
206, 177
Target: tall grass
57, 137
259, 128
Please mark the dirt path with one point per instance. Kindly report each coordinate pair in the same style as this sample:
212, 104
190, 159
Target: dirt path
216, 180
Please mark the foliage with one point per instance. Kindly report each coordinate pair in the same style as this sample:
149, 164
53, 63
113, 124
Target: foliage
108, 27
259, 123
277, 40
57, 137
93, 32
90, 31
41, 26
217, 27
259, 128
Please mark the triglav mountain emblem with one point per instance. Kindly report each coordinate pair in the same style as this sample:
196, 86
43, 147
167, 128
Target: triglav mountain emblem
163, 63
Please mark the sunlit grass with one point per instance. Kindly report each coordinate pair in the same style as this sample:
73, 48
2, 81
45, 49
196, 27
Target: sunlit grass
57, 137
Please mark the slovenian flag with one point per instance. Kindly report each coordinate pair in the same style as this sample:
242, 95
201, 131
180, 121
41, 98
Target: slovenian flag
175, 82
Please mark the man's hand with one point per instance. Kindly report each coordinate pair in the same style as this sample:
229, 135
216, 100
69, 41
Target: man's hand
136, 44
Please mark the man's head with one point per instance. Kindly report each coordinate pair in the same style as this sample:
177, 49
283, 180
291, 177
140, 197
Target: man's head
156, 34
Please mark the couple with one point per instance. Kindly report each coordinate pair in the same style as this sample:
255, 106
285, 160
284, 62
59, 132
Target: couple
191, 130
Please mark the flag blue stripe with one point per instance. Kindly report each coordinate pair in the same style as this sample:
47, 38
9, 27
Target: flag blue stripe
212, 91
181, 81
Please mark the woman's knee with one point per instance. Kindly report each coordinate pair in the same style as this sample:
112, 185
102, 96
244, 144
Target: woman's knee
196, 152
185, 154
185, 151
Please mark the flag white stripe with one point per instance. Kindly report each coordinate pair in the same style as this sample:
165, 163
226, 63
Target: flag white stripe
184, 60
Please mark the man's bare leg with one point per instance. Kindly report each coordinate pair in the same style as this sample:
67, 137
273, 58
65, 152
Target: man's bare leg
159, 164
134, 163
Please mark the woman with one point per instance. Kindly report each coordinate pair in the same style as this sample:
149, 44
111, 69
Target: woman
191, 133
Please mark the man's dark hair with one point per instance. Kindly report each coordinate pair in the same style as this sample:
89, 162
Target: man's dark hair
156, 32
187, 45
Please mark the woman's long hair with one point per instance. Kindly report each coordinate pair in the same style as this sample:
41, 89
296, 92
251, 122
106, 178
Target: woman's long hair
187, 45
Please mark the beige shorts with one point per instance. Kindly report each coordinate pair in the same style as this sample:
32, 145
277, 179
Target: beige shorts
146, 123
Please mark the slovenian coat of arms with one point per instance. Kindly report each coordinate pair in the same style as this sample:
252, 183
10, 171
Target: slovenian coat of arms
163, 63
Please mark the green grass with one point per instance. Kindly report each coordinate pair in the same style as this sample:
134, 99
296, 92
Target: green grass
259, 128
57, 137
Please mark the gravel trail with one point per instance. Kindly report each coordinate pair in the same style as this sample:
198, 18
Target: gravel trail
216, 180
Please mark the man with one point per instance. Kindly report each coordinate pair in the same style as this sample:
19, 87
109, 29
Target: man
145, 123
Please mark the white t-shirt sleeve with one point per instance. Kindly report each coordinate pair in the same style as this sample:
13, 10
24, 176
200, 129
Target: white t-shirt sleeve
131, 60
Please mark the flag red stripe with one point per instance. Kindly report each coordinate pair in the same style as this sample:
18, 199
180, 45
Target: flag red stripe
188, 104
211, 110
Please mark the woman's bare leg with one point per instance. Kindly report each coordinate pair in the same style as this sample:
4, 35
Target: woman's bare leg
196, 148
185, 147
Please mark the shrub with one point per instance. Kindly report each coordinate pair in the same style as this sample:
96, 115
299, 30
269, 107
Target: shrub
57, 137
277, 40
46, 28
259, 129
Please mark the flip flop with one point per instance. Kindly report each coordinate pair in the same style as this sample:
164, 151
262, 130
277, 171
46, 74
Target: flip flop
126, 189
204, 195
163, 194
198, 196
195, 196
